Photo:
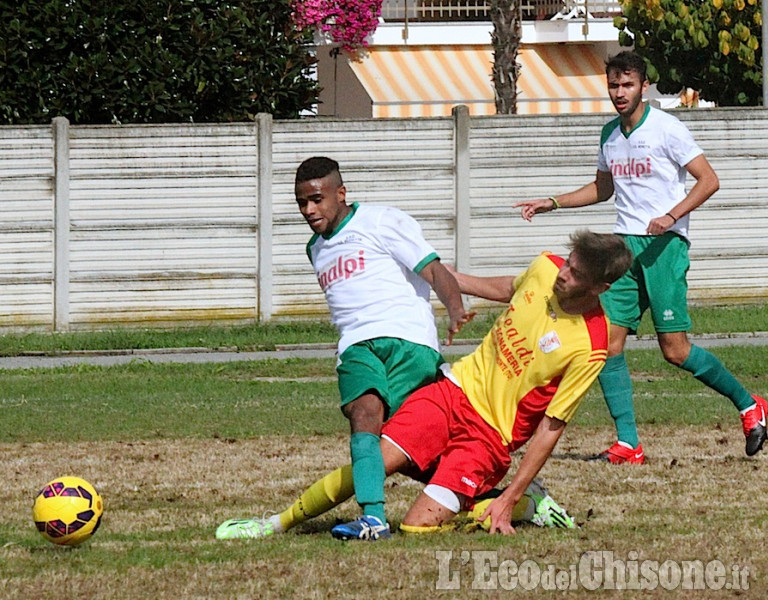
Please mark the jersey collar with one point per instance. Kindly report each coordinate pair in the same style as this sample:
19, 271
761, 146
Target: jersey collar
626, 134
344, 222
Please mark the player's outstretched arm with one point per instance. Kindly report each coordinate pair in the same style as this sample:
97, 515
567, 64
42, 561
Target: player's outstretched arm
529, 208
447, 290
539, 450
499, 289
598, 190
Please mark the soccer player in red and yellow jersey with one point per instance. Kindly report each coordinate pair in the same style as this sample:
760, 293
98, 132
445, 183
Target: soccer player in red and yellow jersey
524, 382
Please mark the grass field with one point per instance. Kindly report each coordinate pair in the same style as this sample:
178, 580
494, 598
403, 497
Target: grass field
706, 319
176, 449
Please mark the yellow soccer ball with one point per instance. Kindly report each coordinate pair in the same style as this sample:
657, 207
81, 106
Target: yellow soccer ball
67, 511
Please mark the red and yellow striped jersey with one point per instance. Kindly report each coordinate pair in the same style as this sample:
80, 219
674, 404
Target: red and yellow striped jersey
536, 359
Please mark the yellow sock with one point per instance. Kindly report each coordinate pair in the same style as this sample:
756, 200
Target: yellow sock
428, 529
523, 511
321, 496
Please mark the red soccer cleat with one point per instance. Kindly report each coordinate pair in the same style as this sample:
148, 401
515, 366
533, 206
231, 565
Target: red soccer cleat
753, 423
622, 453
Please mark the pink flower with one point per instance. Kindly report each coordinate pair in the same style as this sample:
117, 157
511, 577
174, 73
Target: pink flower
348, 22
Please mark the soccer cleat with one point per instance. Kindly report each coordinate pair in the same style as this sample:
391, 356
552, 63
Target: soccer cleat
365, 528
544, 513
245, 528
753, 423
621, 453
548, 512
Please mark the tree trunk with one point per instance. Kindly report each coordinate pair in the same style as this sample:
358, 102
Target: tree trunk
506, 36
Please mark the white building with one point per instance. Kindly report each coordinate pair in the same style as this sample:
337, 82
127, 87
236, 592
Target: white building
429, 55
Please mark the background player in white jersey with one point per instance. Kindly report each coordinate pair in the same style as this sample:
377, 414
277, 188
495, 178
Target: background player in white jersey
645, 155
376, 269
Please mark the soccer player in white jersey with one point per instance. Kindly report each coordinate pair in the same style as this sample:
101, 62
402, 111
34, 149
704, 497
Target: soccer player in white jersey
376, 270
527, 376
645, 156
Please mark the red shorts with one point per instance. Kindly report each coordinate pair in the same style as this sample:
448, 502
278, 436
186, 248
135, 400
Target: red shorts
442, 433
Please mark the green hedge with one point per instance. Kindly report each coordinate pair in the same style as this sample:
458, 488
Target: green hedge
151, 61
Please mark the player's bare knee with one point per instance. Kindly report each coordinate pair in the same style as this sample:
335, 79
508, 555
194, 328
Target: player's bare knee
365, 414
675, 347
676, 356
422, 523
365, 422
616, 347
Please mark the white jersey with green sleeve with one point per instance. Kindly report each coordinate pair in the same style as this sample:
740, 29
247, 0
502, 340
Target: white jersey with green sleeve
648, 169
368, 269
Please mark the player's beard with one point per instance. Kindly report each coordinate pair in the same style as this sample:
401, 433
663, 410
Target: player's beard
560, 289
630, 107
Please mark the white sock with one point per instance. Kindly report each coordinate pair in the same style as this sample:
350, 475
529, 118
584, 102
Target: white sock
277, 527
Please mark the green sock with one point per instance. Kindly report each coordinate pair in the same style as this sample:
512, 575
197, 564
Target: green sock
617, 390
708, 369
368, 473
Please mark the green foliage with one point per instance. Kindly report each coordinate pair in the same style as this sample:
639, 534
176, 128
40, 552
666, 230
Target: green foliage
707, 45
151, 61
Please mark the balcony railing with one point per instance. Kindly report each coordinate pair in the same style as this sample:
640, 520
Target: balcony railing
420, 11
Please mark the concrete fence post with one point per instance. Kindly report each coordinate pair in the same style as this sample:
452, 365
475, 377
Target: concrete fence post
264, 282
61, 232
461, 187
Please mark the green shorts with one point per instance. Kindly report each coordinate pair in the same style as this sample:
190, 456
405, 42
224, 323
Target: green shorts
656, 280
390, 367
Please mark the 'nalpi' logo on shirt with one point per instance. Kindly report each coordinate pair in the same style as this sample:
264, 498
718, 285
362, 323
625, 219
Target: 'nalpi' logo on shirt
469, 482
341, 269
549, 342
631, 168
669, 315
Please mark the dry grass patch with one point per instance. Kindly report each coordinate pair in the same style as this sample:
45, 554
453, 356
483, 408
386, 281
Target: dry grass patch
698, 498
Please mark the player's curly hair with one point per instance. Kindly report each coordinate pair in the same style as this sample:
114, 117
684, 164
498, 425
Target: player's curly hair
627, 61
317, 167
604, 255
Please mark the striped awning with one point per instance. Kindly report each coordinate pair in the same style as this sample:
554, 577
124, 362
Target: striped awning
427, 81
